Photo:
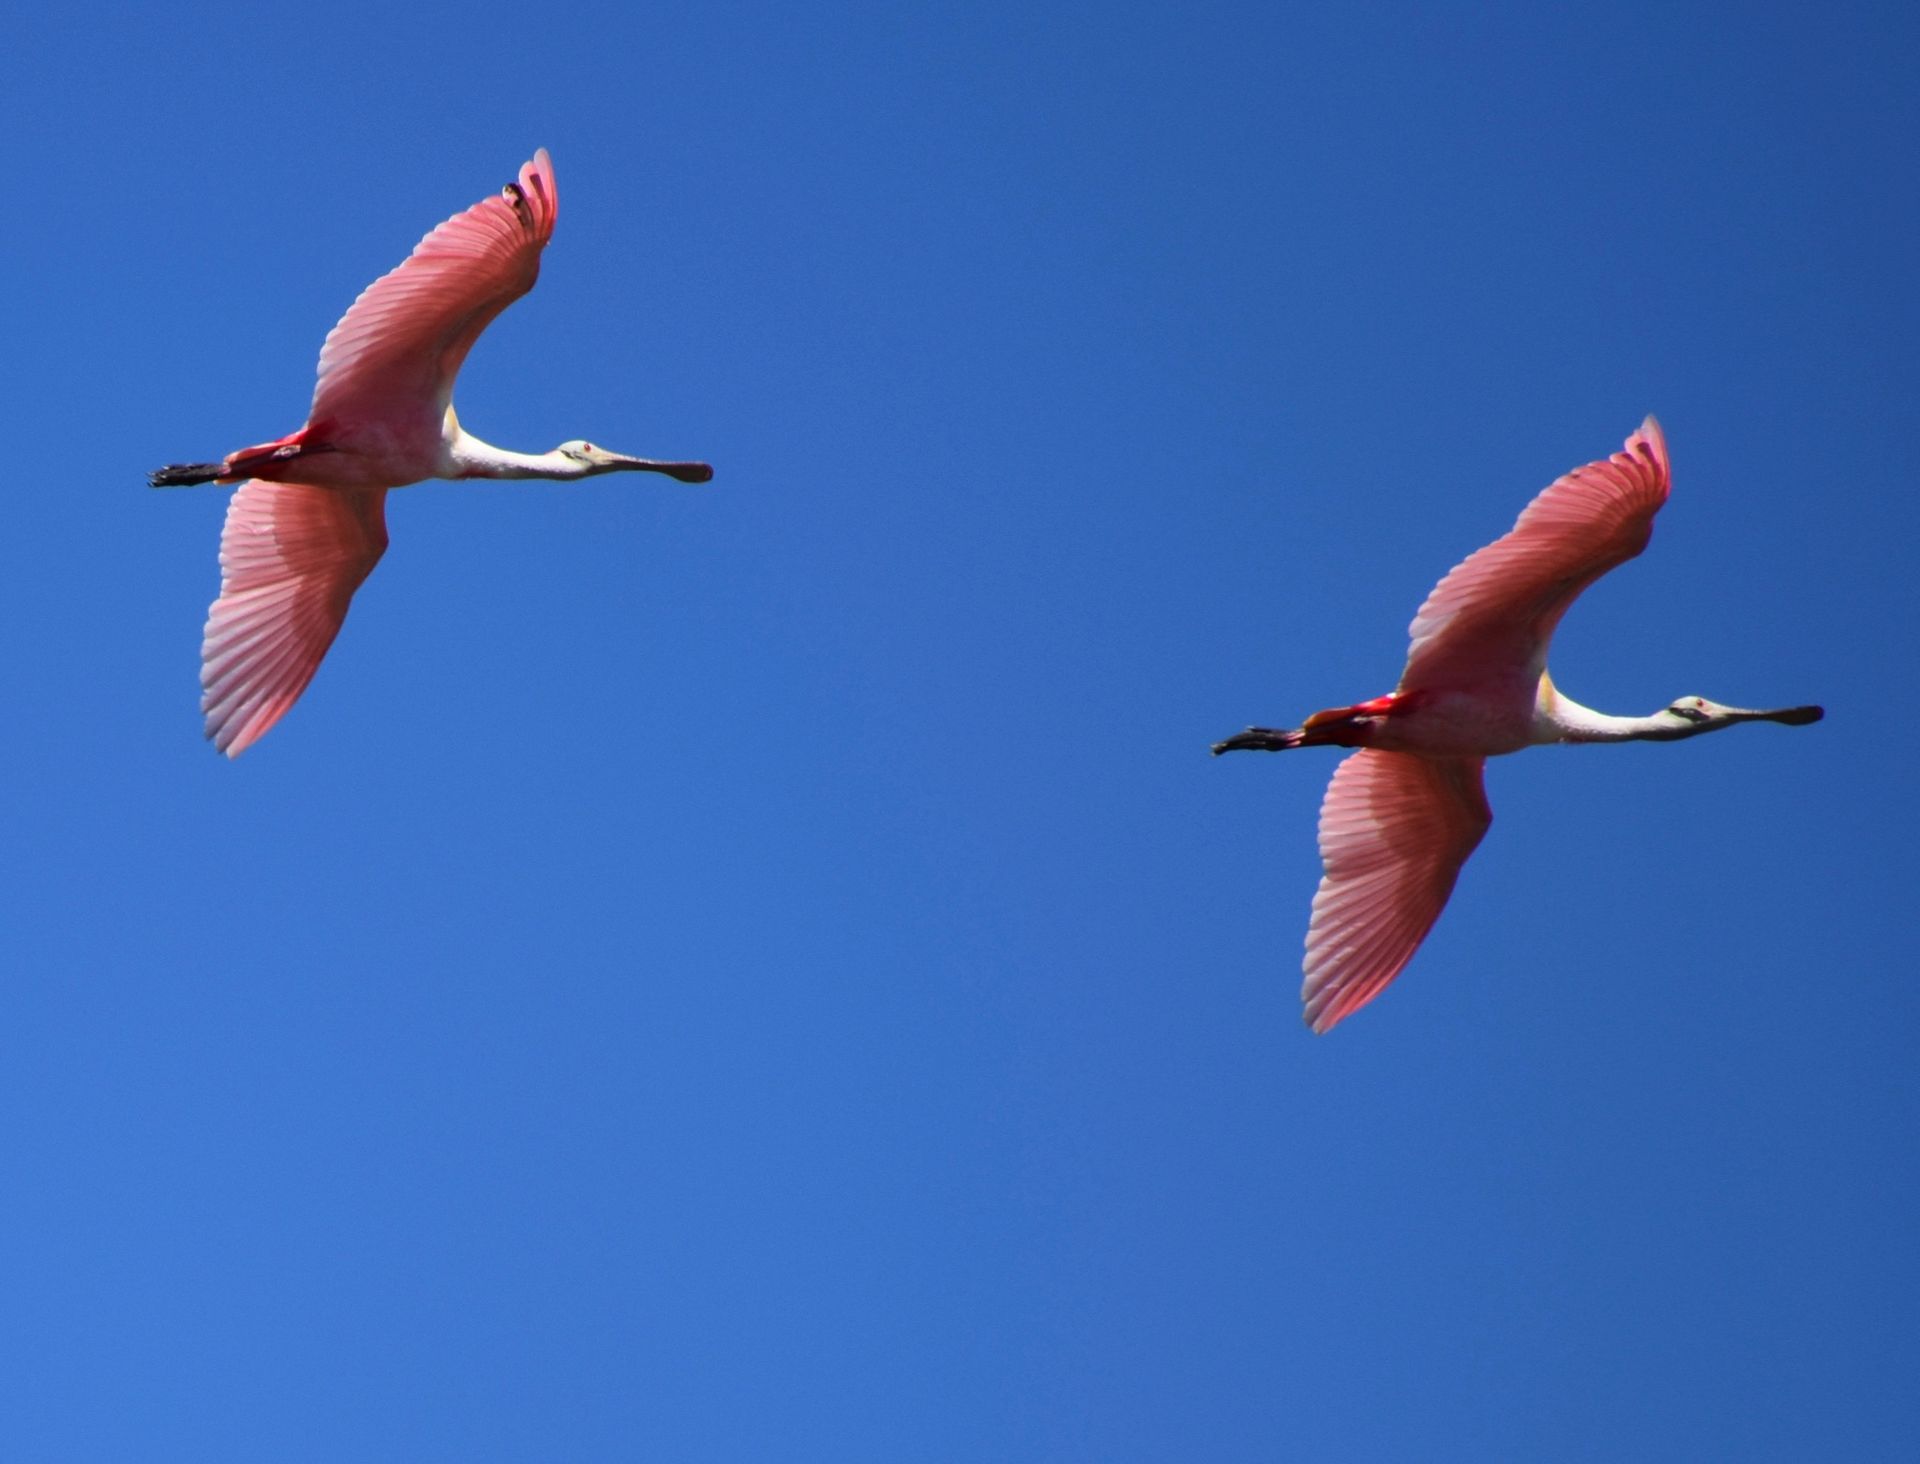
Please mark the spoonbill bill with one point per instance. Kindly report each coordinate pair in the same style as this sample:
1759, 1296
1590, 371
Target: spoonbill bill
1403, 813
308, 522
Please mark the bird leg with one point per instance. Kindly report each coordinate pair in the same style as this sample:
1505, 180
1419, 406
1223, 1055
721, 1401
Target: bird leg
184, 475
1261, 739
250, 462
1336, 727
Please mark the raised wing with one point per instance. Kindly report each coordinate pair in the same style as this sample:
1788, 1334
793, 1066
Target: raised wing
1394, 830
396, 351
1496, 611
291, 557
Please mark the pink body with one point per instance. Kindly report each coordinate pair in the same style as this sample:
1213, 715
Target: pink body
308, 524
382, 413
1403, 813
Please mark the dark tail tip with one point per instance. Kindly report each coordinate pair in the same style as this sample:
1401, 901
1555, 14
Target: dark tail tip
184, 475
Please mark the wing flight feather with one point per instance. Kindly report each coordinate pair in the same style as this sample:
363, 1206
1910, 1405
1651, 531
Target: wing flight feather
400, 345
1495, 612
291, 556
1395, 829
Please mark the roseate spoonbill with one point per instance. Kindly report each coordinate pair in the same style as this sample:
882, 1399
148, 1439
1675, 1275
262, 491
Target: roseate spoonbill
1402, 814
309, 524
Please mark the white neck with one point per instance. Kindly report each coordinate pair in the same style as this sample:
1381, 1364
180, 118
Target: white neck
469, 457
1557, 717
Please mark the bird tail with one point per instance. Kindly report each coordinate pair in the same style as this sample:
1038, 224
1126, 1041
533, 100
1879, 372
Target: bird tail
185, 475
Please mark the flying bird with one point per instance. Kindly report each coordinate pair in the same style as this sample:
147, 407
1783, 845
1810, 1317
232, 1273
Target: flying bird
1403, 813
308, 522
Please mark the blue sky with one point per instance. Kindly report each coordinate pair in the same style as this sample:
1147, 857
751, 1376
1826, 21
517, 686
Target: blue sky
769, 971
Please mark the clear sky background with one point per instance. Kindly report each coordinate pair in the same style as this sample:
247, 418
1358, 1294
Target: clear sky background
770, 971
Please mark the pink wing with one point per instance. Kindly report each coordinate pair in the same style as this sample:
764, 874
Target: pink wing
1394, 830
1497, 609
393, 356
291, 557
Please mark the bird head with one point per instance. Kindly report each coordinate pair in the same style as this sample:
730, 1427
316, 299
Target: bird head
1688, 716
594, 460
